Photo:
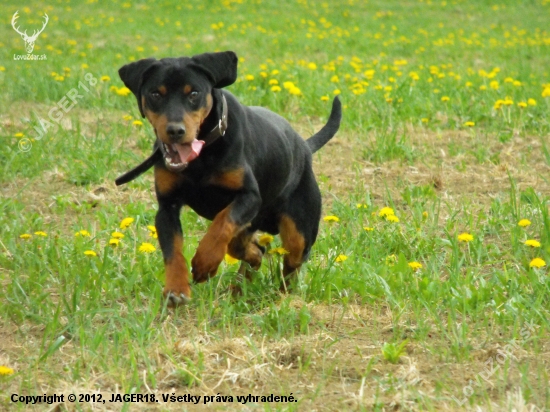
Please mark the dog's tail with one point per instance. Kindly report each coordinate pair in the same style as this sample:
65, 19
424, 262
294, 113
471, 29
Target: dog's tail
320, 138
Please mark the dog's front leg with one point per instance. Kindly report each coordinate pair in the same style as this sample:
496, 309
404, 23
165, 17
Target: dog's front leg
227, 223
168, 224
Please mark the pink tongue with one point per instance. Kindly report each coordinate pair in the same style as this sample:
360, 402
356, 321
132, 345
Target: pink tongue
189, 152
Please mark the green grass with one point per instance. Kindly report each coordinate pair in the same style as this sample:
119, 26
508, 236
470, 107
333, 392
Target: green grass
74, 323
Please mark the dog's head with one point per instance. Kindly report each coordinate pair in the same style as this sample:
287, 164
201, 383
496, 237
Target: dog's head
175, 95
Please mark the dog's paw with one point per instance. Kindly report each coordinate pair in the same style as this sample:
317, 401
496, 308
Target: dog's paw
204, 266
176, 298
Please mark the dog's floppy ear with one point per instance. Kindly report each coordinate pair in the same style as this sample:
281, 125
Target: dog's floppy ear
134, 74
220, 67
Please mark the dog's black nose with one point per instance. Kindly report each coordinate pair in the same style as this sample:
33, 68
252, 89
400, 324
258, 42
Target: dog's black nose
175, 131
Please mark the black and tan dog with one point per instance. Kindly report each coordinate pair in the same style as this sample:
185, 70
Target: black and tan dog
242, 167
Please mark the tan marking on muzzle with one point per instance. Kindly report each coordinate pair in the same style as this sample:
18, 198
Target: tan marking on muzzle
159, 123
193, 120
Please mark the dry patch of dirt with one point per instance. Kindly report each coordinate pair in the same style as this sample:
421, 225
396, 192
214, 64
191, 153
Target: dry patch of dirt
325, 369
445, 161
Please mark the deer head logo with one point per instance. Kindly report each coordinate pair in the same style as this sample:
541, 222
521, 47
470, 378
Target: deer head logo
29, 40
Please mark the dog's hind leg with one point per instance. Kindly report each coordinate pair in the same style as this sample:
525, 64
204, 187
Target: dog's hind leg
298, 226
245, 248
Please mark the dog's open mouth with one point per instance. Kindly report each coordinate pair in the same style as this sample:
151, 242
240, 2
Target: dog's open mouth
177, 156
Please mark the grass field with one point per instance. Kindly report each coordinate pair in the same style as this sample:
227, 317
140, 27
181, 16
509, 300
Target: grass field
428, 288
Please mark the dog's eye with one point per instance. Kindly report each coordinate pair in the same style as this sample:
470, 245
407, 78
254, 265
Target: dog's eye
155, 95
193, 95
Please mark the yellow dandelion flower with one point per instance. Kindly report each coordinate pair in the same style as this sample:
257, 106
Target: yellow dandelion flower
415, 265
275, 89
123, 91
386, 211
369, 74
288, 85
392, 218
5, 370
278, 251
137, 123
537, 263
295, 91
127, 221
127, 117
465, 237
445, 98
334, 79
312, 66
25, 236
524, 222
105, 78
265, 239
482, 87
336, 92
494, 85
425, 215
273, 82
531, 102
424, 120
230, 260
90, 253
341, 258
469, 124
522, 105
331, 218
498, 104
147, 248
249, 77
325, 98
41, 233
18, 134
82, 233
114, 242
117, 235
152, 231
532, 243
